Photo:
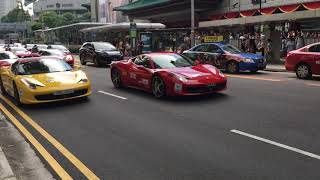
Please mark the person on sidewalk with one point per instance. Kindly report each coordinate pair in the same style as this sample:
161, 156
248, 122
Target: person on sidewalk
269, 50
291, 45
300, 41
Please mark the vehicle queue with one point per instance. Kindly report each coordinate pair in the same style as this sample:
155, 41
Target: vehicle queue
49, 74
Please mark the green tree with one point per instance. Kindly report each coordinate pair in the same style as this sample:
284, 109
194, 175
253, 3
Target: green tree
86, 17
16, 15
36, 26
50, 19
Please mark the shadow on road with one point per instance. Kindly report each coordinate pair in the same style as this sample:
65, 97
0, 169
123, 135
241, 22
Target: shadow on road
59, 104
177, 99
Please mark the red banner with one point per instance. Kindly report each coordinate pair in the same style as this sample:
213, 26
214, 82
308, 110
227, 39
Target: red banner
289, 8
248, 13
231, 15
269, 10
311, 5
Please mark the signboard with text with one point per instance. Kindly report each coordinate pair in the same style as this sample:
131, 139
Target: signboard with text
208, 39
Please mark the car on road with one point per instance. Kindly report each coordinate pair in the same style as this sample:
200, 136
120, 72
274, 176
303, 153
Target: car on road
59, 54
167, 74
40, 46
43, 79
60, 47
22, 52
226, 56
305, 61
7, 58
99, 53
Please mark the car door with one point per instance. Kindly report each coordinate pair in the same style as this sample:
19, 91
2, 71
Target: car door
7, 78
215, 56
196, 53
314, 58
141, 72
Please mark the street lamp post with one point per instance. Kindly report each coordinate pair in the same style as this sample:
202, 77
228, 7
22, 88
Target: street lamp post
192, 24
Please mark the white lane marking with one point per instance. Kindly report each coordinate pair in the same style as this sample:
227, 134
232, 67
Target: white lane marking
113, 95
277, 144
311, 84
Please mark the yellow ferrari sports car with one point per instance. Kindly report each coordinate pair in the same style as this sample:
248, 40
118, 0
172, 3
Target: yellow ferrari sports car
44, 79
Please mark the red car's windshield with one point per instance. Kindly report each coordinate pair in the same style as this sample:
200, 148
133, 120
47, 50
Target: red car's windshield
165, 61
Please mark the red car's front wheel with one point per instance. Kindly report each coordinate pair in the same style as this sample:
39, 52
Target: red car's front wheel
158, 87
116, 78
303, 71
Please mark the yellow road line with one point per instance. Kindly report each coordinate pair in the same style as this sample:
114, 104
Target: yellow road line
44, 153
311, 84
254, 78
74, 160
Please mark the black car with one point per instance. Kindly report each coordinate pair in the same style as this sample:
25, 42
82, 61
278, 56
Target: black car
99, 53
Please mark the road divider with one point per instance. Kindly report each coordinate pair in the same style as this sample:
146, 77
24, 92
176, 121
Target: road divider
276, 144
254, 78
64, 151
43, 152
113, 95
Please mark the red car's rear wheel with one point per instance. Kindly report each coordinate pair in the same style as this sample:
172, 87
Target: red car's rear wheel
158, 87
303, 71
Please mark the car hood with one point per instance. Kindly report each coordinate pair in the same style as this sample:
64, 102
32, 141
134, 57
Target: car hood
250, 55
58, 79
195, 71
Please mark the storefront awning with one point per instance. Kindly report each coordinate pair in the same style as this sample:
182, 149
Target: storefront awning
124, 27
140, 4
280, 17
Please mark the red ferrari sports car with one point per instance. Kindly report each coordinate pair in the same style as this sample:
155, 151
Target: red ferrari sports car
167, 74
304, 61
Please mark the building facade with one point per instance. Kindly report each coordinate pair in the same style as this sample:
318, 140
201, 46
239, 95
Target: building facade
6, 6
60, 6
102, 11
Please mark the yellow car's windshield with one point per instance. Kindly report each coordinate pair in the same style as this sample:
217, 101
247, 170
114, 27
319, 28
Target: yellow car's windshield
42, 66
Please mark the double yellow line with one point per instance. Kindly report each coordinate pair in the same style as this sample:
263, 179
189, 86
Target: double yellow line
44, 153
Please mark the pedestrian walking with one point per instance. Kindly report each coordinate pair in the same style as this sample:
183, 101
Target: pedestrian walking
269, 50
291, 45
140, 47
300, 41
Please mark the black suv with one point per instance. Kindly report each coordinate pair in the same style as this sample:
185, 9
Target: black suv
99, 53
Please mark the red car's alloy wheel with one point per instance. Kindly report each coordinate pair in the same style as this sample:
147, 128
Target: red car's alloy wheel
116, 78
158, 87
303, 71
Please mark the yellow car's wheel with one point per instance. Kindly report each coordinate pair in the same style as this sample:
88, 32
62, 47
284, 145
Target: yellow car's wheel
16, 95
3, 91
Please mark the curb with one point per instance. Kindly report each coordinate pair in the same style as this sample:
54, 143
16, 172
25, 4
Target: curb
275, 70
6, 172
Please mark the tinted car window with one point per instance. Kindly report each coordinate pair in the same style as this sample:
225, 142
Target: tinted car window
201, 48
315, 48
214, 49
104, 46
43, 66
8, 55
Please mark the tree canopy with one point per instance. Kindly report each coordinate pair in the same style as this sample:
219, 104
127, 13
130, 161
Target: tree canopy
16, 15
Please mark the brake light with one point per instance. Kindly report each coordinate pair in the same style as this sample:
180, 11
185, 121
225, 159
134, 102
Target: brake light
69, 58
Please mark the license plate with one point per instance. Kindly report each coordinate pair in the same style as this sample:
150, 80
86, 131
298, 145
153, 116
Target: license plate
63, 92
211, 85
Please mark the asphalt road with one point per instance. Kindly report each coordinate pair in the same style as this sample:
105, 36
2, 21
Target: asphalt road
265, 126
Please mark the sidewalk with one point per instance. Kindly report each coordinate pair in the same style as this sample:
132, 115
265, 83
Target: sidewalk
18, 161
275, 68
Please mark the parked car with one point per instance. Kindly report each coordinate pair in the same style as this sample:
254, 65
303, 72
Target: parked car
167, 74
22, 52
57, 53
59, 47
43, 79
7, 58
305, 61
226, 56
99, 53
